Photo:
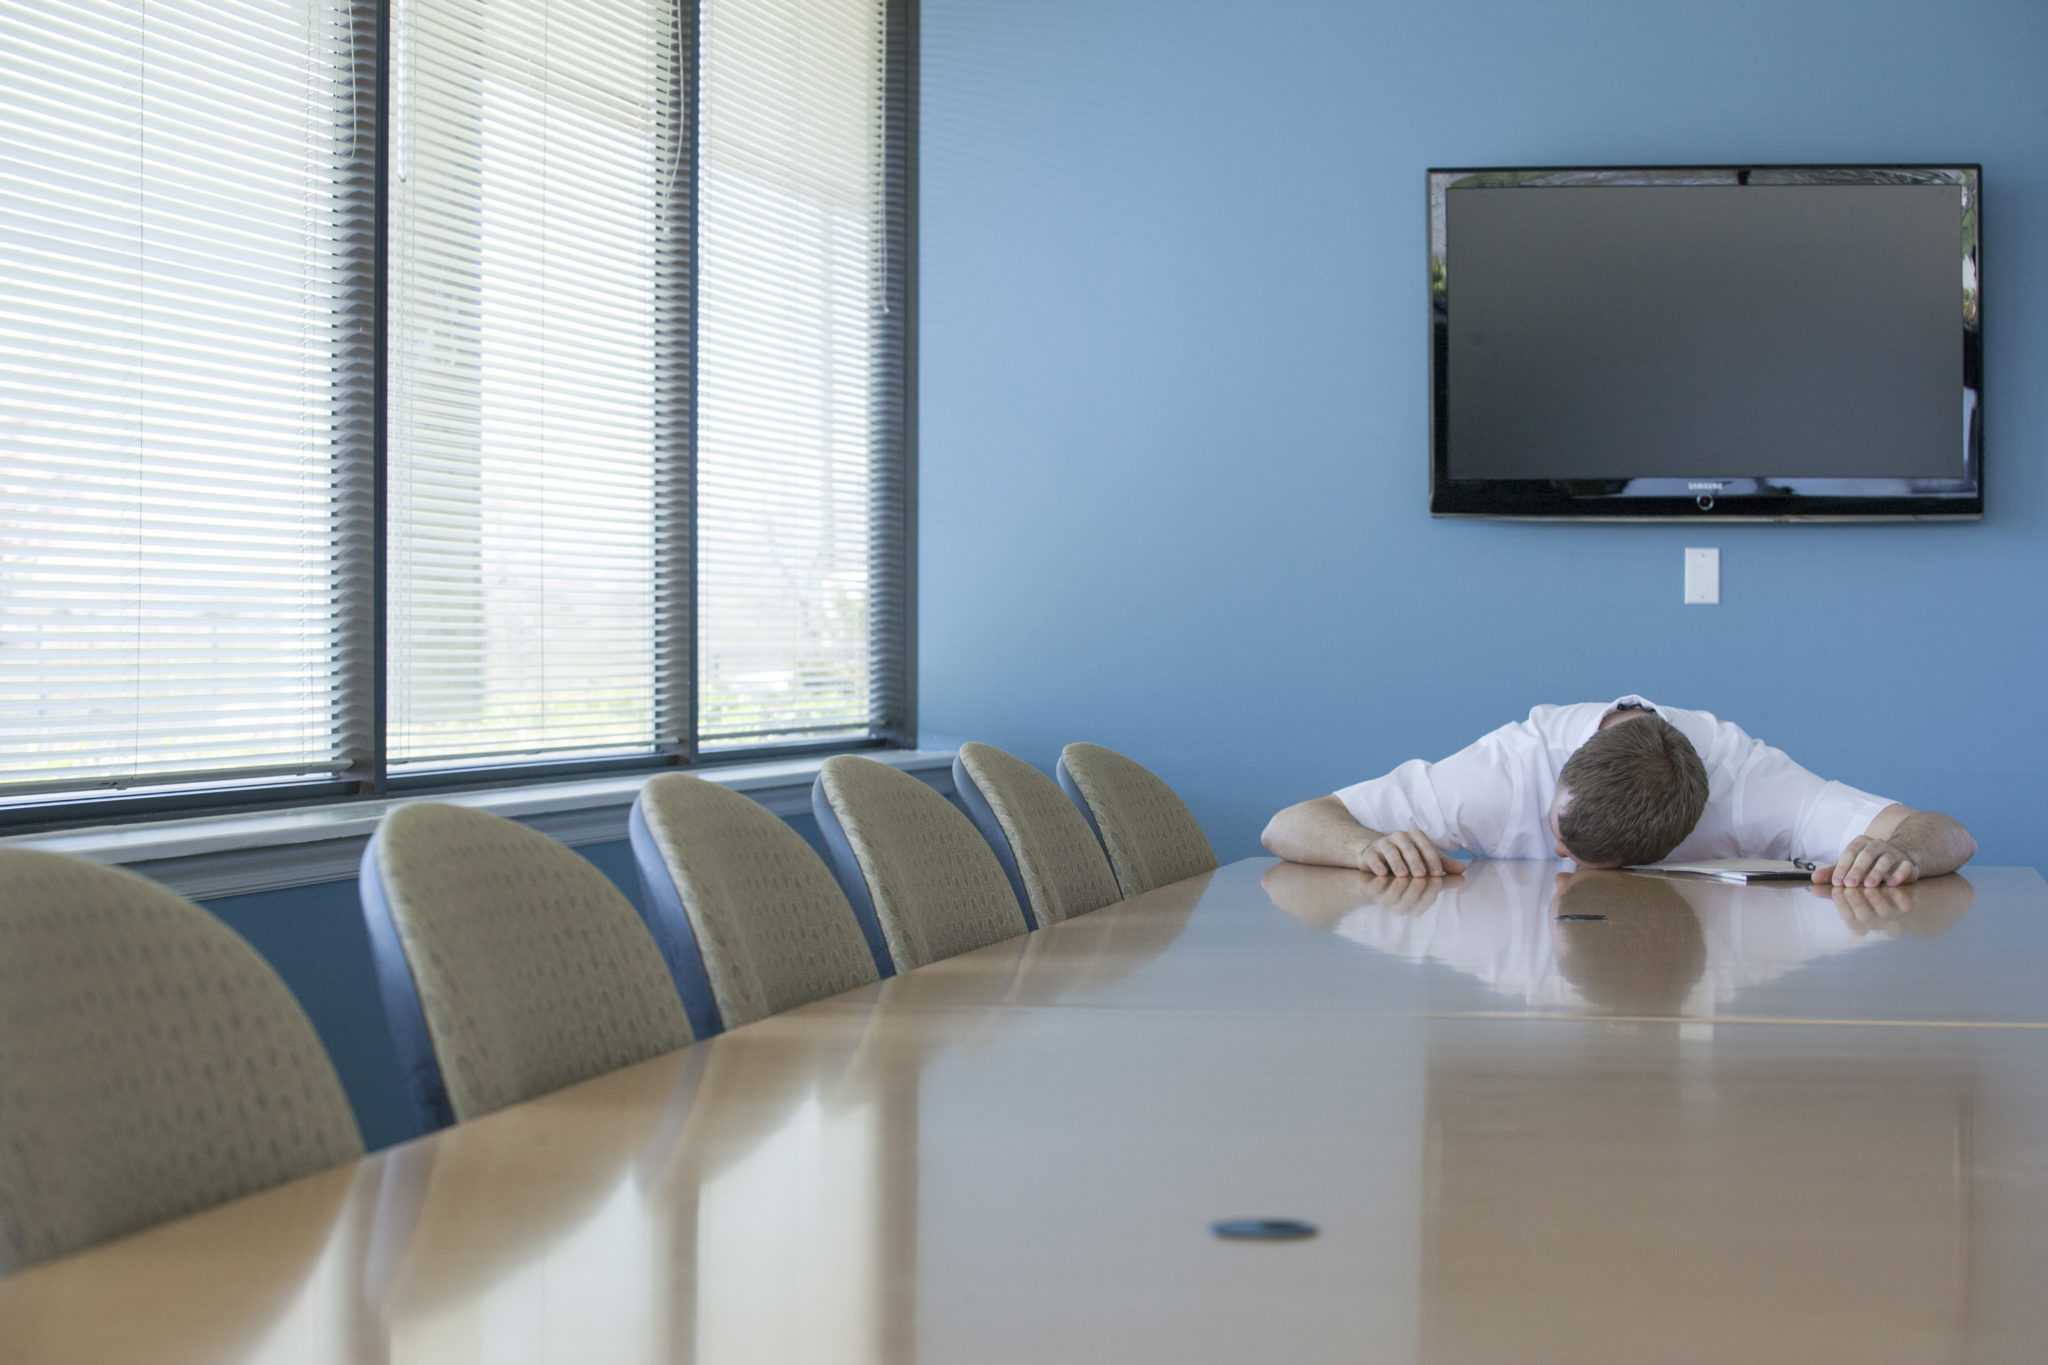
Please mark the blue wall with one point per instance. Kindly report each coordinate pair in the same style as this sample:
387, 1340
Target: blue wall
1173, 386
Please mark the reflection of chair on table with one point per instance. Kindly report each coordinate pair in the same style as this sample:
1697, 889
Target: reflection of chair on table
471, 1227
798, 1165
1070, 959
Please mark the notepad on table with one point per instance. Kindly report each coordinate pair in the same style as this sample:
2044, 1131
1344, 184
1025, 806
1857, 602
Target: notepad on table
1741, 870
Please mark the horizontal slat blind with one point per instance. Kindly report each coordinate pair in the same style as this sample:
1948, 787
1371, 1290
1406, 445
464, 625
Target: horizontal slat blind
535, 148
185, 234
796, 356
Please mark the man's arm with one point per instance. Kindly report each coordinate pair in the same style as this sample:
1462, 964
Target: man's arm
1902, 845
1322, 831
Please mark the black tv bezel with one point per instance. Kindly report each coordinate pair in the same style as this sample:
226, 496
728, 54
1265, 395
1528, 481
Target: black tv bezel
1747, 497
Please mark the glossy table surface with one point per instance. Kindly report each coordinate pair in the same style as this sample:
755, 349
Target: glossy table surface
1718, 1124
1968, 948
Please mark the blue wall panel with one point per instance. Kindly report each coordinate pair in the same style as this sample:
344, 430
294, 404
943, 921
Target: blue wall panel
1173, 479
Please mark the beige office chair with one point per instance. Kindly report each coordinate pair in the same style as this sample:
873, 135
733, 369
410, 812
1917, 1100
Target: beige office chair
1149, 833
920, 879
509, 965
151, 1063
1053, 861
756, 921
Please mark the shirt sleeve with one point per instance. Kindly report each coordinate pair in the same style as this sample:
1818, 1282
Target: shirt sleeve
1784, 811
1463, 801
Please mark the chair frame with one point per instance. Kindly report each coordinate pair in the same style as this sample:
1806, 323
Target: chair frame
984, 817
845, 866
425, 1087
667, 919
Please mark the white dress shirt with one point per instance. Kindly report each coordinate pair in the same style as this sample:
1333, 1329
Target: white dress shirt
1493, 797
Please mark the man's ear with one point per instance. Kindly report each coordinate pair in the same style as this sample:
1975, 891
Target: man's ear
1559, 804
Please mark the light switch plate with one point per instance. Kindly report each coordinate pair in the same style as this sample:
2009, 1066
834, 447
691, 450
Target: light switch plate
1702, 576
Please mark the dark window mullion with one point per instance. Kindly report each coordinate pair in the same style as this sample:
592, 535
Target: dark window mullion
676, 556
895, 721
359, 400
379, 679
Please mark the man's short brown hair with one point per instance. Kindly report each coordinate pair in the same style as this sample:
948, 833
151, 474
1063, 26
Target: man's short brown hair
1637, 789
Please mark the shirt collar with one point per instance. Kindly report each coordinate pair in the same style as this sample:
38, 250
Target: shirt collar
1630, 700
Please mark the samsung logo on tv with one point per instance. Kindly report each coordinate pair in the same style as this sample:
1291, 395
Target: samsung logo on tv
1706, 487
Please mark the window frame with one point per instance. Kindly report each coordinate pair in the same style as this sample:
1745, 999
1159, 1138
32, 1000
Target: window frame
368, 683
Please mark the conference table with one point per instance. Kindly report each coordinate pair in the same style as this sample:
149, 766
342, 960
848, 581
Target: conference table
1532, 1116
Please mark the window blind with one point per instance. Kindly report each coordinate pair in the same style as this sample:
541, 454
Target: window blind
646, 287
802, 261
186, 220
532, 566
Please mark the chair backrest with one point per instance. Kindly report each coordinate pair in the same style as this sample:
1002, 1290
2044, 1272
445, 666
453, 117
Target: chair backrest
151, 1063
1149, 833
760, 920
1053, 860
509, 965
912, 865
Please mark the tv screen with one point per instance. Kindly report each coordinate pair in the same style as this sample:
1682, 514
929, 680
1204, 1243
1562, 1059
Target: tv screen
1761, 342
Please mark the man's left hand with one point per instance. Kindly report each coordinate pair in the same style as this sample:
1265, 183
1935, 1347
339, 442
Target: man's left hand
1870, 862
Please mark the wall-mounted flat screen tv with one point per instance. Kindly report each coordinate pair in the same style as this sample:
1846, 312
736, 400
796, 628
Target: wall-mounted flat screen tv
1782, 343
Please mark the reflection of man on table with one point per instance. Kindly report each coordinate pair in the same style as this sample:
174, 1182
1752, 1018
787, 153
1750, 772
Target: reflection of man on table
1665, 946
1615, 786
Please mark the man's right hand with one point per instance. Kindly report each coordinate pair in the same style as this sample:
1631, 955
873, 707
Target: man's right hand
1407, 853
1323, 832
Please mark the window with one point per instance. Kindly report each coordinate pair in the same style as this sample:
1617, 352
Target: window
184, 279
555, 417
531, 190
800, 392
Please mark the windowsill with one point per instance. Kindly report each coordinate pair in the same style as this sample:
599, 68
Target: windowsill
227, 855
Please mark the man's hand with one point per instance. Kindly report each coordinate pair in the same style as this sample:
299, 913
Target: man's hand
1901, 845
1869, 861
1407, 853
1322, 831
